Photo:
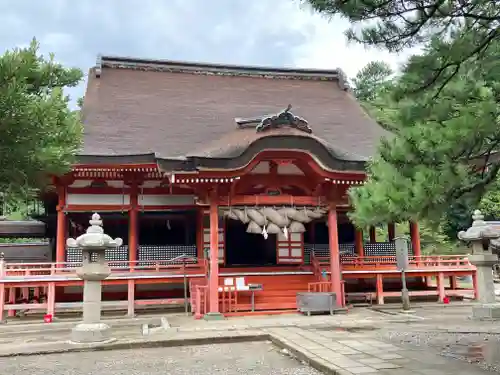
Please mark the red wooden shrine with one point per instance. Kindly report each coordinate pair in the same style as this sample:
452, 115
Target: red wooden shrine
173, 149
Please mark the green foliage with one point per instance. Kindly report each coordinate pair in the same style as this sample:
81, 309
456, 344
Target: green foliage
372, 81
442, 110
438, 145
39, 134
490, 204
444, 115
458, 217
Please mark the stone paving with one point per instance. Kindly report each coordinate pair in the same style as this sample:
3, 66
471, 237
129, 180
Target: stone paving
344, 353
341, 344
229, 359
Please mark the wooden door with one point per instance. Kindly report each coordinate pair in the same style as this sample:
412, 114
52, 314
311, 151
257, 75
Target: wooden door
290, 250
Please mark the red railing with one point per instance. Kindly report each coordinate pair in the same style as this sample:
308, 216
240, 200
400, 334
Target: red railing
228, 299
198, 290
316, 265
175, 265
389, 262
440, 261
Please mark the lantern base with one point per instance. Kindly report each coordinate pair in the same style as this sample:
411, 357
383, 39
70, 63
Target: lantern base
487, 311
85, 333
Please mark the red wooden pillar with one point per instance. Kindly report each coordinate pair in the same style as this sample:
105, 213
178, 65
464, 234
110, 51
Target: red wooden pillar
12, 300
453, 283
133, 235
415, 239
359, 243
199, 235
335, 270
373, 235
61, 226
440, 287
213, 283
391, 231
2, 299
380, 289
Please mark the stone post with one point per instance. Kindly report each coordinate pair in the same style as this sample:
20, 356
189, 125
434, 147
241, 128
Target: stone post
94, 269
479, 235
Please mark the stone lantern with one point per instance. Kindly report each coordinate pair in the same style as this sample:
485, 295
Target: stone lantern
94, 269
480, 234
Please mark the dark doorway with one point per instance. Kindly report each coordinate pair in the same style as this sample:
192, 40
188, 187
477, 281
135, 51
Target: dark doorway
248, 249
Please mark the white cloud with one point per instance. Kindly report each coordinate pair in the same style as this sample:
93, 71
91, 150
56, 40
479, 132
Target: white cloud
326, 47
257, 32
58, 41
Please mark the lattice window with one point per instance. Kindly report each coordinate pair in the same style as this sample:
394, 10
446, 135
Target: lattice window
160, 252
383, 248
74, 255
348, 250
145, 253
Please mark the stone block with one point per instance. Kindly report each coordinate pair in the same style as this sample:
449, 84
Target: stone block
361, 370
389, 356
486, 311
384, 366
213, 316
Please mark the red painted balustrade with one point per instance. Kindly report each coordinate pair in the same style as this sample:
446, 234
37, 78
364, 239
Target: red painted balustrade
178, 265
389, 262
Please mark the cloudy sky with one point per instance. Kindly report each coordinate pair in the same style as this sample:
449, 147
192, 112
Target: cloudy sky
256, 32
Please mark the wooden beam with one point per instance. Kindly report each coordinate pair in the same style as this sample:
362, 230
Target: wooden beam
274, 182
112, 166
247, 200
133, 234
175, 190
271, 155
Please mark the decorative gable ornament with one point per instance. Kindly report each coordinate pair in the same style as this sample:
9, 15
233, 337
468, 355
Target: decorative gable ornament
284, 118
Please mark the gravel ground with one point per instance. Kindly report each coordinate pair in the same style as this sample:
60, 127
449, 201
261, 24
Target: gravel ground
480, 349
259, 358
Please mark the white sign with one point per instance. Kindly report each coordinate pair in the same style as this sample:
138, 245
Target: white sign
401, 245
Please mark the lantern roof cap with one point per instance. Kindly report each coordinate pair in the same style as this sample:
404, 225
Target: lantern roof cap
94, 238
479, 230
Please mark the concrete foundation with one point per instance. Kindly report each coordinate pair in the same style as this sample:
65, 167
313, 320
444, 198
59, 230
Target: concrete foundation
85, 333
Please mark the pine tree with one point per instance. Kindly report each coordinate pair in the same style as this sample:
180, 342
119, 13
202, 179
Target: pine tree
39, 133
443, 109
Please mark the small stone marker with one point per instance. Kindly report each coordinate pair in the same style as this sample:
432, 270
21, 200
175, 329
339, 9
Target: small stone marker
164, 323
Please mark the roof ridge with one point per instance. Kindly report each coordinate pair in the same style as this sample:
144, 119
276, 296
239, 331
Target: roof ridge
172, 66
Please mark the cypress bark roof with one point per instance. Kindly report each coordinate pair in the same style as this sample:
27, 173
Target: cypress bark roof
178, 109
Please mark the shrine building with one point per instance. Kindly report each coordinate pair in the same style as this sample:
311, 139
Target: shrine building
235, 177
